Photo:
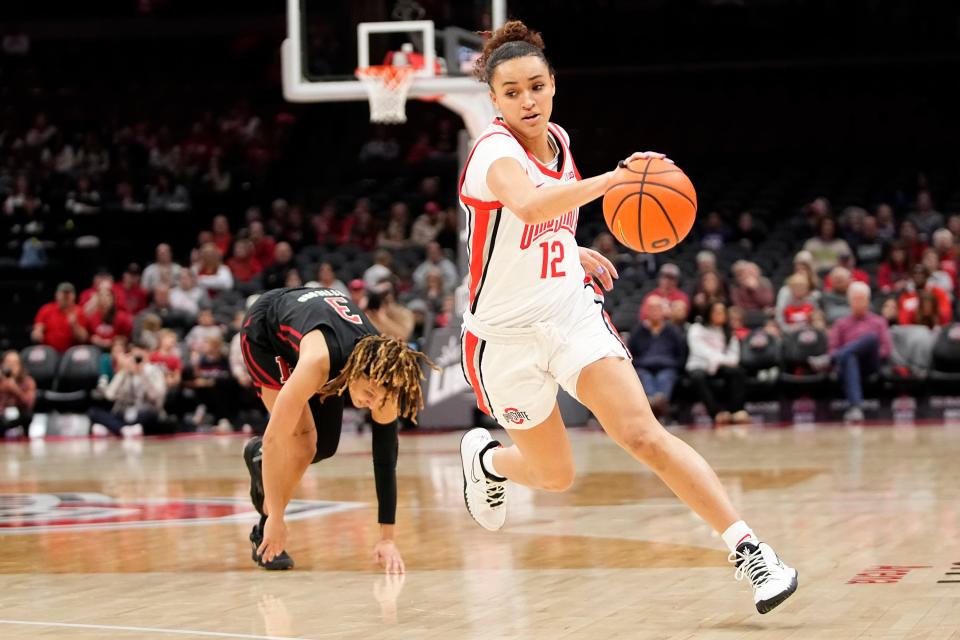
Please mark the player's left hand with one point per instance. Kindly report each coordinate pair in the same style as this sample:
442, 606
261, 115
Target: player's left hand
597, 266
386, 554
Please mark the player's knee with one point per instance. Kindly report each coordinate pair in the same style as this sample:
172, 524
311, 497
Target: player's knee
558, 480
644, 438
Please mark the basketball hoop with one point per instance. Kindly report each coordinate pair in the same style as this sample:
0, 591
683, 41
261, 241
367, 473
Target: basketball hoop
387, 88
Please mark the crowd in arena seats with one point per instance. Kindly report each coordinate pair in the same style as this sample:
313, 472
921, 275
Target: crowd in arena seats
866, 297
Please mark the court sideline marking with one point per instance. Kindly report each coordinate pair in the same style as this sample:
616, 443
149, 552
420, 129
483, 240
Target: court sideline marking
182, 632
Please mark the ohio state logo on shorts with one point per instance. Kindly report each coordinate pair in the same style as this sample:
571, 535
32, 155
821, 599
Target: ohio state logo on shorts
39, 512
515, 416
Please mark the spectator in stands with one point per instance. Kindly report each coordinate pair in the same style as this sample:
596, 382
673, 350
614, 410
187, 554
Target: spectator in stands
206, 327
126, 199
928, 312
947, 255
668, 281
447, 309
83, 199
869, 247
679, 313
886, 223
216, 178
396, 235
749, 233
910, 237
894, 274
890, 311
798, 311
802, 264
389, 317
924, 217
420, 151
146, 332
433, 292
363, 230
606, 245
427, 226
714, 353
134, 296
358, 293
102, 278
18, 393
222, 237
834, 298
909, 301
327, 278
162, 196
738, 323
275, 275
751, 291
706, 261
60, 324
436, 260
188, 297
859, 342
243, 264
826, 247
162, 271
940, 278
293, 279
263, 245
41, 132
381, 269
715, 232
953, 225
137, 392
212, 274
213, 383
105, 319
23, 201
710, 290
659, 351
167, 357
165, 154
849, 262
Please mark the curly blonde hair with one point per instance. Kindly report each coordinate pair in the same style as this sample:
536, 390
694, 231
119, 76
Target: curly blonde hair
387, 362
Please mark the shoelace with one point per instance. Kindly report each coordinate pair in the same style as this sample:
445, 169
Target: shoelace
751, 566
495, 493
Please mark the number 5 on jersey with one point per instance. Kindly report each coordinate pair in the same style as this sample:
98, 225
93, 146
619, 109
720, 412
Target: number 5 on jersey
554, 249
339, 304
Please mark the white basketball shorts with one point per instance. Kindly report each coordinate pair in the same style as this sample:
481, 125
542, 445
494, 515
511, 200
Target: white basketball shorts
515, 373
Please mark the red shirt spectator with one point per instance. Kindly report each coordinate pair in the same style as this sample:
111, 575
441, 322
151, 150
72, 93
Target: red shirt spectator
894, 272
669, 277
105, 324
60, 324
221, 235
129, 291
909, 301
263, 245
798, 313
244, 265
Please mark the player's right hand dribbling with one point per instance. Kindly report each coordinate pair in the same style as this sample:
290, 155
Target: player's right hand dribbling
274, 539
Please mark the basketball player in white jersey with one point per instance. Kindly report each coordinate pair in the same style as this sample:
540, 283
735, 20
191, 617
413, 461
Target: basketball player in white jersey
535, 320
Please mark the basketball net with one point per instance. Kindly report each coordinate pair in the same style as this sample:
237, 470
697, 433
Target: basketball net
387, 88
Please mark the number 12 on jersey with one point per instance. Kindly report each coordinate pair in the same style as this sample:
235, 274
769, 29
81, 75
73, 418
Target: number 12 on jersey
552, 258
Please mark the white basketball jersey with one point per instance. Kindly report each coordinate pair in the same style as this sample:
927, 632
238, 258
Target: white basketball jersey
519, 273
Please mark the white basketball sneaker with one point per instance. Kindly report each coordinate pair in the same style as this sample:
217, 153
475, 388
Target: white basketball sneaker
484, 493
773, 582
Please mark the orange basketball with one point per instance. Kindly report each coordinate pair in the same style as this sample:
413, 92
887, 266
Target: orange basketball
650, 206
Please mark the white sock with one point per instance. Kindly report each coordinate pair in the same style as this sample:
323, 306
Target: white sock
486, 461
738, 533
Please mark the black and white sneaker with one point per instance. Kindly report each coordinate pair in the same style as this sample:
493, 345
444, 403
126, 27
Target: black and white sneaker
282, 562
253, 456
483, 493
773, 582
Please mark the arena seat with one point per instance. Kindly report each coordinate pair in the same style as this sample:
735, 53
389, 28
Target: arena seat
946, 355
797, 347
77, 377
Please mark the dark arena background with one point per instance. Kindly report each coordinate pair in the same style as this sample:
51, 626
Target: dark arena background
163, 162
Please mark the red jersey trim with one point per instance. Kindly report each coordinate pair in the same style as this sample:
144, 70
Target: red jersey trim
487, 205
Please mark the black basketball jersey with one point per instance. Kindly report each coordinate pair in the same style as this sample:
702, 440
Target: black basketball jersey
280, 318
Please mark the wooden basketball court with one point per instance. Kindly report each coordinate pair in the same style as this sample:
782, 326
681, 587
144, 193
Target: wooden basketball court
148, 539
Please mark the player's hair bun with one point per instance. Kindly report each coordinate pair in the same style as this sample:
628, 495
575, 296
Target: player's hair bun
513, 40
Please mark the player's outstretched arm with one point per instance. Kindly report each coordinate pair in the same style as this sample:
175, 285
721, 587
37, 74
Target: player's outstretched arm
385, 451
509, 182
286, 454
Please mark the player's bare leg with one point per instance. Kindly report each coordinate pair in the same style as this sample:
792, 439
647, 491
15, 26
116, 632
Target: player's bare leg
611, 389
540, 458
295, 465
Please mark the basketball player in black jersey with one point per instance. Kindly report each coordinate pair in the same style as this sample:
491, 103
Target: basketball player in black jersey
303, 348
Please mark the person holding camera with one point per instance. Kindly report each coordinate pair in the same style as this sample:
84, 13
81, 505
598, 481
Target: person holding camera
137, 391
18, 392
